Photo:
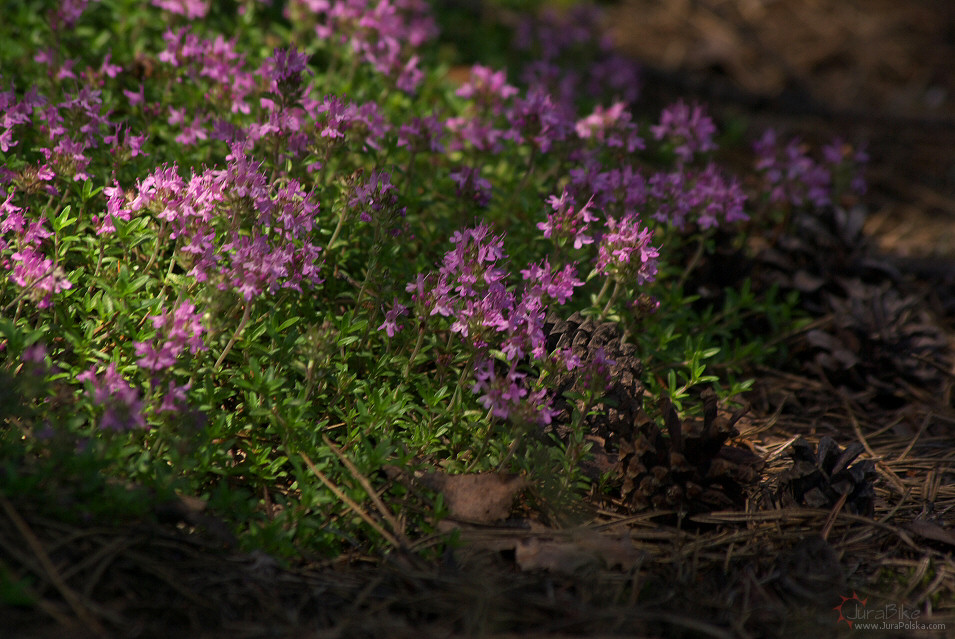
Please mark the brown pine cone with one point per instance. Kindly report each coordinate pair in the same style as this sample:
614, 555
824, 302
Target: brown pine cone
614, 414
821, 475
691, 469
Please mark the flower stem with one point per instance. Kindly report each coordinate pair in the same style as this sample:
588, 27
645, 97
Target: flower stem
159, 242
694, 261
613, 298
414, 353
235, 336
338, 228
603, 291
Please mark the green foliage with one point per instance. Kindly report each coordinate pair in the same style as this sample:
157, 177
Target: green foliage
299, 372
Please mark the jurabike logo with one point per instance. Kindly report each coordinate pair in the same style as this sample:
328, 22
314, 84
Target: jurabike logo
857, 614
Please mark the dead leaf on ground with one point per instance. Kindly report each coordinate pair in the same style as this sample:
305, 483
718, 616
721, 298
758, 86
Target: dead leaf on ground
933, 531
479, 498
583, 550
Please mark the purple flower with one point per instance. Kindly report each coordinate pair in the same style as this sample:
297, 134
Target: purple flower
236, 232
567, 358
616, 73
423, 135
847, 166
558, 285
215, 65
192, 9
34, 270
625, 251
567, 223
13, 219
285, 69
335, 117
34, 354
383, 34
507, 396
176, 330
390, 324
488, 89
175, 398
540, 120
115, 210
689, 130
791, 176
377, 201
611, 127
477, 133
704, 198
109, 69
561, 41
14, 113
124, 407
68, 13
471, 186
596, 373
471, 289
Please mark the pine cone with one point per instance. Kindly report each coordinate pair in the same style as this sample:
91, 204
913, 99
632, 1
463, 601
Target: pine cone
878, 338
878, 334
820, 476
824, 247
622, 402
691, 469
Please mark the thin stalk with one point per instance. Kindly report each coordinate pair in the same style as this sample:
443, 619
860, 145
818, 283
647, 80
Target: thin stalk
159, 238
510, 451
338, 228
613, 298
456, 397
603, 291
99, 264
485, 442
694, 261
165, 280
373, 262
414, 353
235, 336
530, 170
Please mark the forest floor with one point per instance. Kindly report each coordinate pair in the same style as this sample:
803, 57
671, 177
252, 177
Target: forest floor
879, 71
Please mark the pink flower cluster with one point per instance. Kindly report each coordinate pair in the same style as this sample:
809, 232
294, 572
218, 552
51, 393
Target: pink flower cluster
234, 228
558, 42
611, 127
704, 198
690, 131
383, 33
124, 406
471, 288
791, 176
625, 251
30, 267
176, 330
568, 223
216, 65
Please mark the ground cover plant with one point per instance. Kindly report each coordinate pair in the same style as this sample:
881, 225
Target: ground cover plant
281, 271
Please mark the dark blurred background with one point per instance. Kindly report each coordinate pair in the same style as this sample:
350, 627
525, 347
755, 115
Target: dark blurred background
877, 71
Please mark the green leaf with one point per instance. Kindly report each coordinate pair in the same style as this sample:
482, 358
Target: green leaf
292, 321
63, 220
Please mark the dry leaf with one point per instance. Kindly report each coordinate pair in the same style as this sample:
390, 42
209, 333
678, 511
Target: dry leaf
583, 550
480, 498
933, 531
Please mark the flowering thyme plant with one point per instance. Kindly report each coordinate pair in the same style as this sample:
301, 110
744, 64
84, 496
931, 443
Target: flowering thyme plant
243, 244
